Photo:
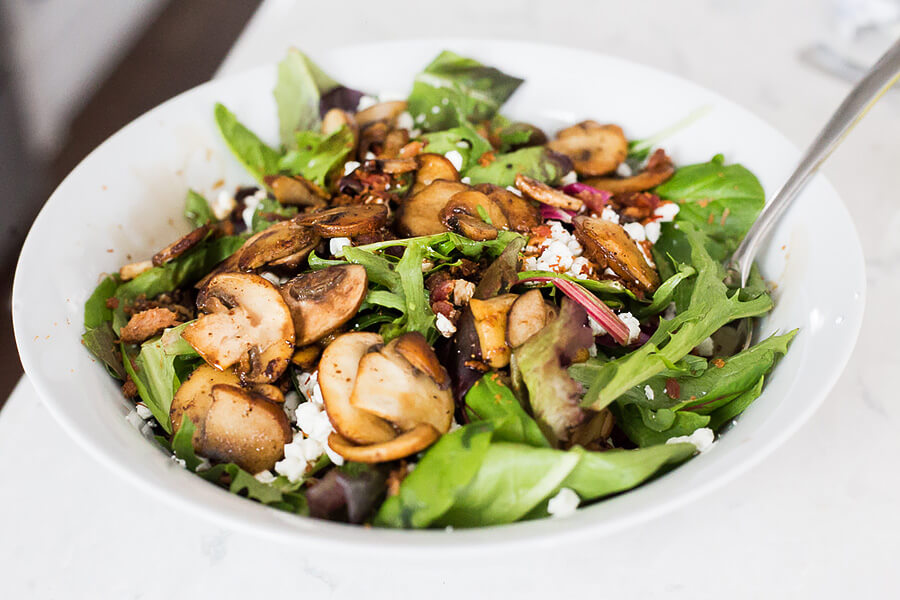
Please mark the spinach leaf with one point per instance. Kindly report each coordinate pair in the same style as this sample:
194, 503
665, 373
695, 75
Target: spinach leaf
317, 155
96, 312
463, 139
536, 162
453, 89
721, 201
101, 342
724, 414
258, 158
297, 95
711, 305
197, 210
637, 423
489, 399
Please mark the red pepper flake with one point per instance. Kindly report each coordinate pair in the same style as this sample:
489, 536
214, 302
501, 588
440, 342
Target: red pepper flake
718, 363
673, 388
725, 214
486, 159
711, 218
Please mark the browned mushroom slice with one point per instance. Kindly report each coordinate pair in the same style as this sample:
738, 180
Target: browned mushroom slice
194, 397
337, 376
594, 149
519, 212
545, 194
296, 191
414, 348
279, 241
396, 166
420, 213
182, 245
394, 141
246, 322
346, 221
336, 118
474, 215
609, 244
245, 428
322, 301
146, 324
371, 139
490, 323
269, 391
404, 445
659, 169
433, 167
383, 111
305, 358
528, 315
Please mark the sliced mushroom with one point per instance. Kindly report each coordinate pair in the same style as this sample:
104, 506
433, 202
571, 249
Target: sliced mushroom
337, 377
545, 194
490, 324
383, 111
296, 191
194, 397
245, 428
521, 215
246, 322
132, 270
146, 324
285, 239
229, 265
433, 167
394, 141
659, 169
390, 386
395, 166
181, 245
474, 215
420, 213
305, 358
594, 149
346, 221
336, 118
322, 301
608, 244
528, 315
415, 440
269, 391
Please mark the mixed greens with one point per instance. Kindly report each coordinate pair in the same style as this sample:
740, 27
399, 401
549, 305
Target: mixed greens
427, 314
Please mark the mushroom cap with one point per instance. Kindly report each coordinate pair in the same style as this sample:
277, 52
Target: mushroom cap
181, 245
491, 317
285, 239
528, 315
194, 397
414, 440
463, 214
520, 213
246, 321
383, 111
595, 149
296, 191
433, 167
659, 168
245, 428
608, 243
420, 213
346, 221
543, 193
322, 301
337, 376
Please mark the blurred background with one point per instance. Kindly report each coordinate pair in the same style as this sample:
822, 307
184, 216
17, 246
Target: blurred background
72, 72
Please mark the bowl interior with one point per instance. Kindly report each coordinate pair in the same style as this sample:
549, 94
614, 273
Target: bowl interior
124, 201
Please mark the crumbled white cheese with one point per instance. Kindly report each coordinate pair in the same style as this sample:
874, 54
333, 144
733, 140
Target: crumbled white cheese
365, 102
337, 245
623, 170
292, 468
427, 265
610, 215
251, 202
706, 347
462, 144
444, 325
666, 212
635, 231
405, 121
370, 156
223, 204
564, 503
420, 118
514, 190
265, 477
309, 443
703, 439
309, 386
435, 110
454, 425
455, 159
143, 412
634, 326
648, 392
291, 402
570, 177
350, 166
559, 253
652, 230
462, 292
414, 133
592, 350
466, 180
596, 328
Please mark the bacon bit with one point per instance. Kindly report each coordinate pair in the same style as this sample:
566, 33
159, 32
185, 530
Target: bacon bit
486, 159
718, 363
711, 218
129, 389
673, 388
725, 214
410, 150
145, 324
112, 303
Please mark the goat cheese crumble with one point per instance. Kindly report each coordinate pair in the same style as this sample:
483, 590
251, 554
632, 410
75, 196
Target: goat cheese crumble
337, 245
706, 347
634, 326
251, 202
350, 166
564, 503
703, 439
444, 325
560, 252
610, 215
365, 102
223, 204
455, 159
666, 212
635, 231
311, 437
570, 177
405, 121
462, 292
648, 392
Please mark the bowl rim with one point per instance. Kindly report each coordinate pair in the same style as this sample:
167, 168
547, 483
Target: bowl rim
331, 535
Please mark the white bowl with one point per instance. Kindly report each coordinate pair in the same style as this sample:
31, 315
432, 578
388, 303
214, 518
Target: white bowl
124, 201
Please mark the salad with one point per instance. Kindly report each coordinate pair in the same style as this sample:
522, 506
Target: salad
424, 313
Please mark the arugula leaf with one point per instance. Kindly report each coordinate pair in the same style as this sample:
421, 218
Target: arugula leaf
418, 312
441, 245
724, 414
711, 305
536, 162
378, 268
453, 89
721, 201
317, 155
257, 157
490, 399
197, 210
463, 139
554, 396
662, 297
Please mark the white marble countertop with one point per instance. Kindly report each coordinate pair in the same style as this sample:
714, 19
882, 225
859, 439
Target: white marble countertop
816, 519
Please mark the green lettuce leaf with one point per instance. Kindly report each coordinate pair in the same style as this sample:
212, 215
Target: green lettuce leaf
453, 89
463, 139
96, 312
266, 207
298, 90
318, 155
197, 210
490, 399
101, 342
257, 157
536, 162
